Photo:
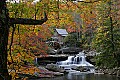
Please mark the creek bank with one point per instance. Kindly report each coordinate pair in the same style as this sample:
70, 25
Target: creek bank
114, 71
34, 72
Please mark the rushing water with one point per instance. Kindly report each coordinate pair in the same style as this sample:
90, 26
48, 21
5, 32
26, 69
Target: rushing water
74, 62
79, 76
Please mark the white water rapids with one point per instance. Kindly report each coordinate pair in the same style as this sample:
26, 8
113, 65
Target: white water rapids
78, 60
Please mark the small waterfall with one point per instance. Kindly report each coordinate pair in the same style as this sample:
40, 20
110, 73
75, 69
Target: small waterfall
70, 58
78, 60
36, 60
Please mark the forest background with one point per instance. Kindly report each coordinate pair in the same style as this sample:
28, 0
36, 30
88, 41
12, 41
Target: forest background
96, 22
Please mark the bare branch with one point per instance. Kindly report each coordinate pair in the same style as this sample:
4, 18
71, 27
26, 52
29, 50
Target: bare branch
86, 1
26, 21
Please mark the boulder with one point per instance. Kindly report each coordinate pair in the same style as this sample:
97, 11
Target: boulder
58, 73
82, 69
55, 68
118, 73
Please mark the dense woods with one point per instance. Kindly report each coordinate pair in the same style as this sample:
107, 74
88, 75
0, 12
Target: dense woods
25, 26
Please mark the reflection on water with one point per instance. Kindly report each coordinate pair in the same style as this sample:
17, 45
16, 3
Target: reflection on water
80, 76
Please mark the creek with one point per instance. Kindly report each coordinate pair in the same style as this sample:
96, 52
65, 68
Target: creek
82, 76
79, 60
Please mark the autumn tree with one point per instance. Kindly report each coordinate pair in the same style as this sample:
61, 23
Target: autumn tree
5, 22
107, 40
26, 37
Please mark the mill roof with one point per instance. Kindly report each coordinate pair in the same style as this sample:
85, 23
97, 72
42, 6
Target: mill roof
62, 32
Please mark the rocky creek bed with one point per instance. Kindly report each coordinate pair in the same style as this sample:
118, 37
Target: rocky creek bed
114, 71
40, 72
52, 70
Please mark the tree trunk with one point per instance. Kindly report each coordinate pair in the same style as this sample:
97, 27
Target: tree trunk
4, 30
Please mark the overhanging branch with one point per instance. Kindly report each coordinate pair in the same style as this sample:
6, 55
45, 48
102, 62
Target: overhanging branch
91, 1
26, 21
